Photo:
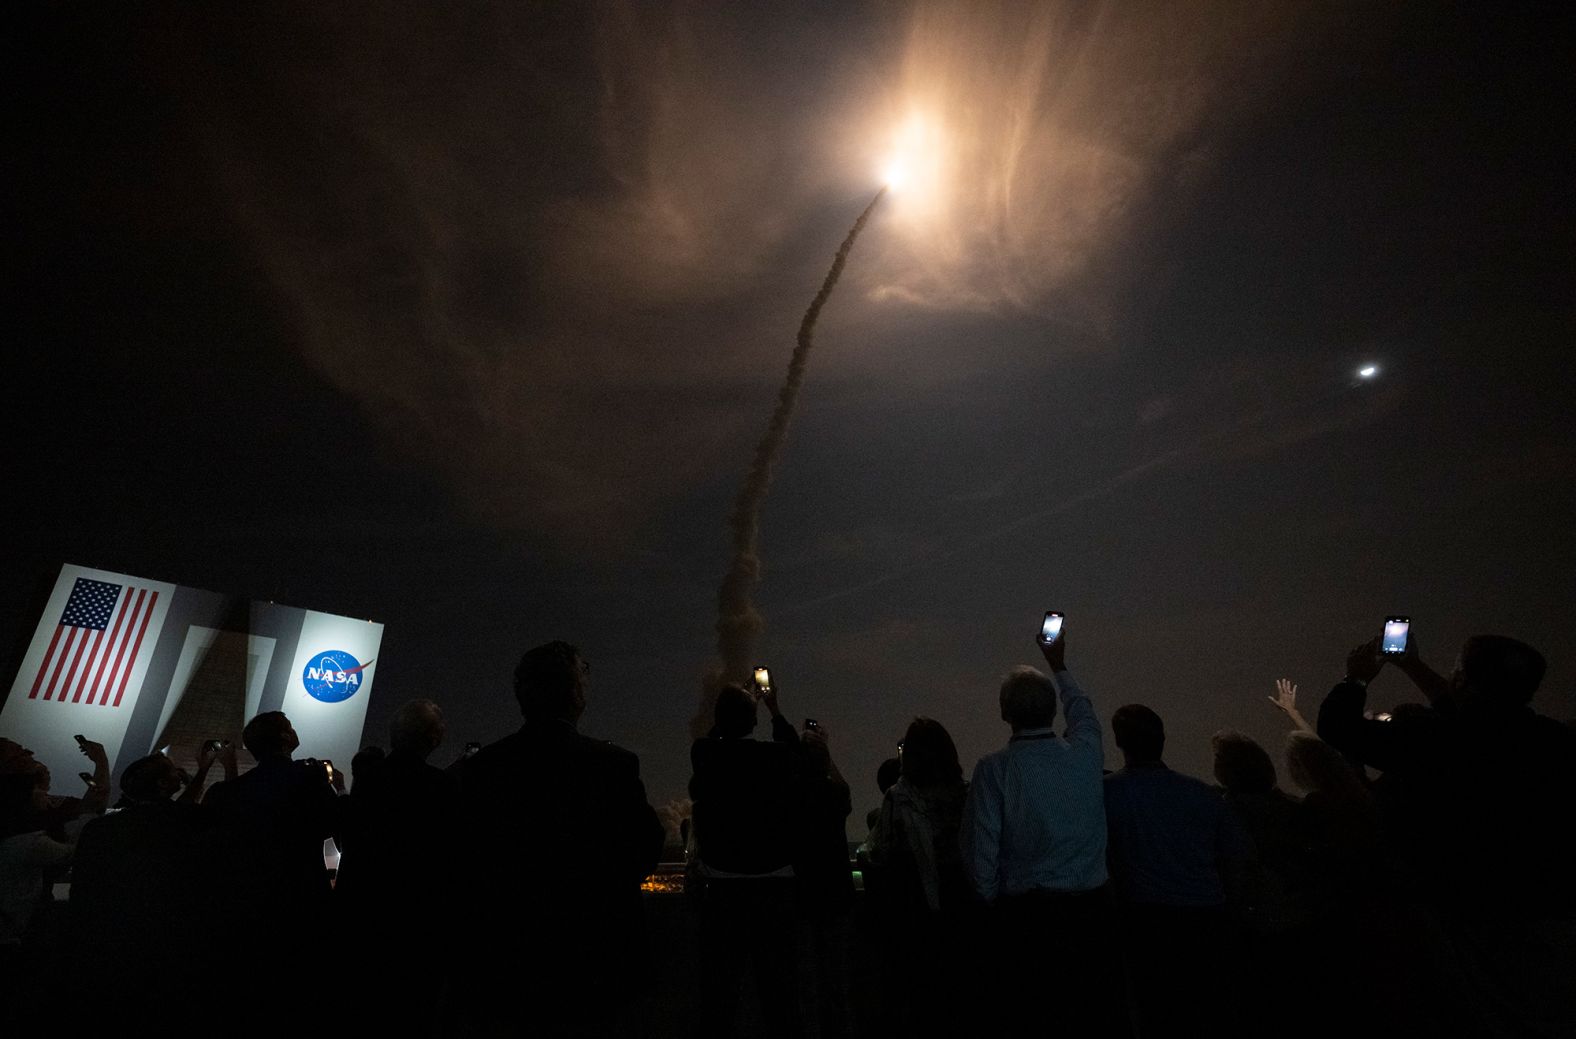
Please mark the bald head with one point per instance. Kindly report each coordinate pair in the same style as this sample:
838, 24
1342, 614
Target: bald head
417, 728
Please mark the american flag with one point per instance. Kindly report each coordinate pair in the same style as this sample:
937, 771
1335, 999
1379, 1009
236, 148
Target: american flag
96, 643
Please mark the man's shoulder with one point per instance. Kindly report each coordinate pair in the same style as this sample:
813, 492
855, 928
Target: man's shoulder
496, 751
534, 746
607, 754
989, 766
998, 757
107, 827
1133, 780
145, 820
420, 776
1554, 733
1163, 784
745, 760
1197, 789
230, 789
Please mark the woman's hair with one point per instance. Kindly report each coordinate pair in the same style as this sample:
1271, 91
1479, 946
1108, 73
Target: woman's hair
1241, 765
1319, 768
930, 758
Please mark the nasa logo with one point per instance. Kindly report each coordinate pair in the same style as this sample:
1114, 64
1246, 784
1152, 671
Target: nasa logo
333, 676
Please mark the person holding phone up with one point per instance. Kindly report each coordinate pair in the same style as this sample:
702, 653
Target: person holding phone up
1033, 842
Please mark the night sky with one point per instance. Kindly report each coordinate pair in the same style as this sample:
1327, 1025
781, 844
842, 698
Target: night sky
466, 318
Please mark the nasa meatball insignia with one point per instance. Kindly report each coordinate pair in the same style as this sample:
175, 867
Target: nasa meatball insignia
333, 676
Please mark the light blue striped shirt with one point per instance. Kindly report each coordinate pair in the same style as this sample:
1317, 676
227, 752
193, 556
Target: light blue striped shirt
1035, 817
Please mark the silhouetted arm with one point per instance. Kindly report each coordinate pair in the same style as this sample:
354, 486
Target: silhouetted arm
205, 759
1341, 722
1342, 726
980, 833
844, 797
217, 797
832, 771
323, 810
883, 834
193, 792
1434, 686
641, 825
97, 797
838, 796
1083, 724
783, 730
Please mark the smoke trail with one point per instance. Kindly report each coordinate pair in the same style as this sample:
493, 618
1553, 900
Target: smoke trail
738, 622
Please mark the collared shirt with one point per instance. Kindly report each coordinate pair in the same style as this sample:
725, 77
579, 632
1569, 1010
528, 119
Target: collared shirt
1035, 817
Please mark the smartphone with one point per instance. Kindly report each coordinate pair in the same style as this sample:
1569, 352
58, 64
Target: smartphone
1050, 628
87, 777
471, 748
82, 741
811, 725
763, 680
1395, 632
215, 745
328, 770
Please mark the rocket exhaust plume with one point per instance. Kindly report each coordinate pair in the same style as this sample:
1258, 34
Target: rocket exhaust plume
738, 622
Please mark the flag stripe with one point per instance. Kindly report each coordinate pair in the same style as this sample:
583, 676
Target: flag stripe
82, 683
137, 648
104, 647
109, 647
42, 668
132, 612
65, 651
82, 644
122, 606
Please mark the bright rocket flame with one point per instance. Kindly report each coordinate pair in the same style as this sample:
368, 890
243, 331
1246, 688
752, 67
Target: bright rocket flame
1368, 371
1021, 143
913, 163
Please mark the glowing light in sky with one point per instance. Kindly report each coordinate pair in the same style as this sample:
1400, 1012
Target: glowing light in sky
1367, 371
913, 163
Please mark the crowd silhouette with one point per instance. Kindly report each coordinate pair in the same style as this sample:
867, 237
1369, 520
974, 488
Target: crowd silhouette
1420, 882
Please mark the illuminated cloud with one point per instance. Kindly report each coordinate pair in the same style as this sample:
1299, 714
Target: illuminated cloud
1040, 131
562, 263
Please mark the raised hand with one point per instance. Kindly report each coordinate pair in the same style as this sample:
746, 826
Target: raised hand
94, 752
1056, 653
1285, 695
1364, 661
769, 698
1285, 699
